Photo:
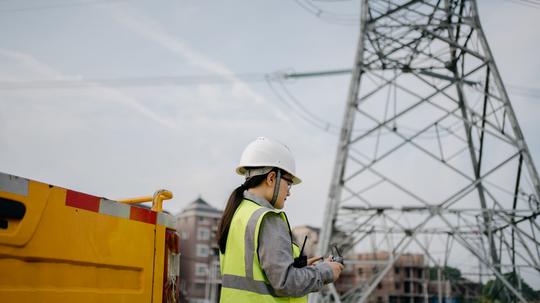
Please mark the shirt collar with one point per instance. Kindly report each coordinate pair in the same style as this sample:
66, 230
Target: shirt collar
261, 201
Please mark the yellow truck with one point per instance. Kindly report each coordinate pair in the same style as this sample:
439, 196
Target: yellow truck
60, 245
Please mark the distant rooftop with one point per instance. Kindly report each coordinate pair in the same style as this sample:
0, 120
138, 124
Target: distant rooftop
313, 228
199, 205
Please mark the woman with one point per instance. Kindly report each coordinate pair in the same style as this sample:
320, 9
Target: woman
256, 250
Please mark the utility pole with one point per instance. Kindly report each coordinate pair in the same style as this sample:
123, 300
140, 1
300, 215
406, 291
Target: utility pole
430, 148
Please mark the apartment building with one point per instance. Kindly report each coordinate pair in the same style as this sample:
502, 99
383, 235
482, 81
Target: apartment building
407, 280
312, 242
456, 291
312, 233
199, 259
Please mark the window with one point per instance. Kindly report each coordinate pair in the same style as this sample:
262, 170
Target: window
203, 221
201, 269
203, 233
202, 250
185, 235
217, 271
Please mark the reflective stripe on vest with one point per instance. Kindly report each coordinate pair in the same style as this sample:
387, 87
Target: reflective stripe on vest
250, 241
248, 284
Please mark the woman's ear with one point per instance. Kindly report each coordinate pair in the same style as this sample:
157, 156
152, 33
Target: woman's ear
271, 178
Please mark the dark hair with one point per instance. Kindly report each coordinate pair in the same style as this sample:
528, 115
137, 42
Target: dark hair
232, 204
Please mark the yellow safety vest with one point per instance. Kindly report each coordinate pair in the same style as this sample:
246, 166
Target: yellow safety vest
243, 279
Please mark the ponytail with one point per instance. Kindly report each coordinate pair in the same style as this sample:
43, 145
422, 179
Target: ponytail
232, 204
235, 198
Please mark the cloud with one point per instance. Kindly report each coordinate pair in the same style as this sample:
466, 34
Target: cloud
34, 69
90, 134
37, 68
151, 31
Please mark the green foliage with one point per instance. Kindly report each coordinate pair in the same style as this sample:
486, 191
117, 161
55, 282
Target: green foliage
495, 291
447, 273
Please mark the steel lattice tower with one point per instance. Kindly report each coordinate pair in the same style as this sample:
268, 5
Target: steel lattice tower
431, 158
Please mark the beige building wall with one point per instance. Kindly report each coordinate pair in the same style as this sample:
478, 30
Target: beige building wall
200, 278
406, 281
300, 232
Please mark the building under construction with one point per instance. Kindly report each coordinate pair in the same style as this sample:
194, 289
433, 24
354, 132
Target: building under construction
409, 280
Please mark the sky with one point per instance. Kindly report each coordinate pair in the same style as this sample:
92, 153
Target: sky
121, 98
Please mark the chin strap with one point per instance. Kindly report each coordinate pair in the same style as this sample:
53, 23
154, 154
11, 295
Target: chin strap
276, 187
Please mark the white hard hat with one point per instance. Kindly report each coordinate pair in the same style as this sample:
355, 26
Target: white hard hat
265, 152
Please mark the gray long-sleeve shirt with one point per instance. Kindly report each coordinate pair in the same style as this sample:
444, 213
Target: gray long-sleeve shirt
276, 258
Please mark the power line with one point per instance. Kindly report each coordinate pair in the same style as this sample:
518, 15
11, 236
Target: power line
129, 81
533, 2
285, 96
524, 90
57, 5
184, 80
187, 80
303, 114
327, 16
528, 3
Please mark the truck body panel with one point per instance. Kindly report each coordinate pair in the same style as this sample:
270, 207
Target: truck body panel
74, 247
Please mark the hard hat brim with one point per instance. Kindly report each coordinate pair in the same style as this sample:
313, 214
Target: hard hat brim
241, 170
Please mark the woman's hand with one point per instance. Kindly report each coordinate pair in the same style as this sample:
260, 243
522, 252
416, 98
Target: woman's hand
312, 260
336, 268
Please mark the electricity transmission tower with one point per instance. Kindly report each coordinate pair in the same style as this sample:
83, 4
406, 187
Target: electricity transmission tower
431, 158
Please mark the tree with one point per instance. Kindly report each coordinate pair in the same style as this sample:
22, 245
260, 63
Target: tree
447, 273
495, 291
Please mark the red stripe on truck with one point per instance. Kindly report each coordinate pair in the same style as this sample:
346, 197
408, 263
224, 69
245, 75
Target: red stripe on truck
84, 201
143, 215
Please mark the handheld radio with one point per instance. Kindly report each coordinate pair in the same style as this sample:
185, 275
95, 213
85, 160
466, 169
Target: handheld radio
338, 257
301, 261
